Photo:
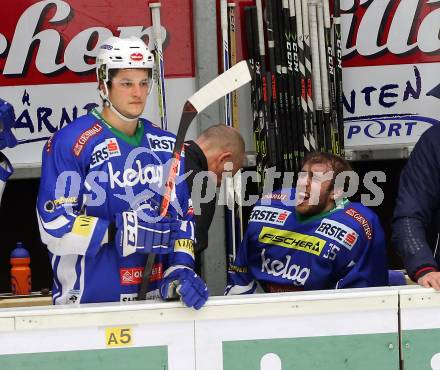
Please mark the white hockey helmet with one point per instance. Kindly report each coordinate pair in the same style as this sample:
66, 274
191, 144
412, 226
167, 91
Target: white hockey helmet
118, 53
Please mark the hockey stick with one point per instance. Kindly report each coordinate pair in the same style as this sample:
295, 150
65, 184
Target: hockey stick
233, 62
316, 73
228, 81
308, 68
338, 73
225, 53
302, 69
324, 81
229, 183
334, 132
157, 33
235, 122
297, 83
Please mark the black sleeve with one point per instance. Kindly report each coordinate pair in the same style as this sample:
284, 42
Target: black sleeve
417, 203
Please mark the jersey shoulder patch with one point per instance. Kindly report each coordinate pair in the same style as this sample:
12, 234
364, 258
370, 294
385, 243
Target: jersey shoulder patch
362, 216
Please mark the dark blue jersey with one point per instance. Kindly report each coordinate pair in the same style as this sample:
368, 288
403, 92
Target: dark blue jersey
90, 173
282, 251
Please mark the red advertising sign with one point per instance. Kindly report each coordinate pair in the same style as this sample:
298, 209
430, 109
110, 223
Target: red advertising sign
390, 32
56, 41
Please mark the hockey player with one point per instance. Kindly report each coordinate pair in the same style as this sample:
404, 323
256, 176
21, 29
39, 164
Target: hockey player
7, 139
100, 192
323, 242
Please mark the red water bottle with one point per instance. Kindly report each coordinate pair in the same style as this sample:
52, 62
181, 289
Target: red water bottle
20, 270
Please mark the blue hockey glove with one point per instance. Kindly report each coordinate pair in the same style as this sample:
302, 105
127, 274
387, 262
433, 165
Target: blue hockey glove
7, 121
136, 235
185, 282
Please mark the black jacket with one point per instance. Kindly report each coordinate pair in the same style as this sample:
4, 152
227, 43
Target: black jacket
416, 216
195, 162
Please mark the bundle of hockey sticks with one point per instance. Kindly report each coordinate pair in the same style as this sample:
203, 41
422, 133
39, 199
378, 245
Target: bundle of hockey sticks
296, 92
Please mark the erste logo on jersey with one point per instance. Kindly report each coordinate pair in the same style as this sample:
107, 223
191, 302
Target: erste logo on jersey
270, 215
161, 143
103, 151
338, 232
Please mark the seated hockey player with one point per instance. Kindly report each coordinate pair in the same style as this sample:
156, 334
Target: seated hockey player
7, 139
101, 187
317, 241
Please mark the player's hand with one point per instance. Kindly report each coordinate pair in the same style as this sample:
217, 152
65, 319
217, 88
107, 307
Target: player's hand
430, 280
134, 234
186, 283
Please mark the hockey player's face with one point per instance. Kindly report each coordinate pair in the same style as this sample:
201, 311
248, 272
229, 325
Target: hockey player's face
314, 189
129, 91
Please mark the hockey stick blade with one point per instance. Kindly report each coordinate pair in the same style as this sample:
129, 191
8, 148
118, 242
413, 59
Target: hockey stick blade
225, 83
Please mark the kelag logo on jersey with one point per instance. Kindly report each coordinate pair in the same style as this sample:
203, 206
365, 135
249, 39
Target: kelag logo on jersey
338, 232
285, 270
161, 143
269, 215
109, 148
130, 177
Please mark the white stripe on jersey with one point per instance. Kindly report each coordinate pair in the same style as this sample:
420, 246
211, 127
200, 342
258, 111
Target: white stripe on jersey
67, 276
241, 289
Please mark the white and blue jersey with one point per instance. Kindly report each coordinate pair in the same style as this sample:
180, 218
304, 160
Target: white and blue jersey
90, 173
283, 251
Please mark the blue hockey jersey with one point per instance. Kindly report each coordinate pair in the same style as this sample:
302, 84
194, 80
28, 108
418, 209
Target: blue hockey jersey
90, 173
283, 251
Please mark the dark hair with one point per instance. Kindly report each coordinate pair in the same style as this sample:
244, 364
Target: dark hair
337, 163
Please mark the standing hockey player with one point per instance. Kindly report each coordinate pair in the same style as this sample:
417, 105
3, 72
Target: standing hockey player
323, 242
100, 193
7, 139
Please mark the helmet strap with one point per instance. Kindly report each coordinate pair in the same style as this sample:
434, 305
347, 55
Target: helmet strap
107, 101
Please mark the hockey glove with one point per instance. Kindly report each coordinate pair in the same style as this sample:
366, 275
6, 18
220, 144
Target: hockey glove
7, 121
185, 282
135, 235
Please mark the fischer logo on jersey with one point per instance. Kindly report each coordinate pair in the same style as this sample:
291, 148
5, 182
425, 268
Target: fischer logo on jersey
104, 151
292, 240
286, 270
269, 215
338, 232
362, 221
85, 137
130, 177
161, 143
131, 275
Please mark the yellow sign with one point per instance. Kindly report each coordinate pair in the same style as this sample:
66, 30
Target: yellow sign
185, 246
292, 240
118, 337
83, 225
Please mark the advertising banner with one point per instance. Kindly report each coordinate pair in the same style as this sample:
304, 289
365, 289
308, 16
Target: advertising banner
391, 60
